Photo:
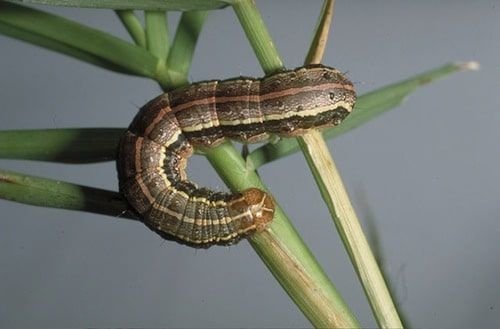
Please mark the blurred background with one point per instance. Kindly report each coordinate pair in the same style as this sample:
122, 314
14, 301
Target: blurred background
424, 179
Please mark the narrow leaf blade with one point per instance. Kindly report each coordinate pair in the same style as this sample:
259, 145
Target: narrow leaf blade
50, 193
78, 40
82, 145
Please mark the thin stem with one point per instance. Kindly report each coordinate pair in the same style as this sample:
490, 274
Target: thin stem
258, 36
45, 192
320, 39
337, 200
77, 145
133, 26
182, 50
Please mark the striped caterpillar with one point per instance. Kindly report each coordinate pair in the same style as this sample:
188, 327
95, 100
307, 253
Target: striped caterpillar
153, 152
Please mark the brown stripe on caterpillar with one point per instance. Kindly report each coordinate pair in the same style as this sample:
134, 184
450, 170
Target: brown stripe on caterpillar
153, 153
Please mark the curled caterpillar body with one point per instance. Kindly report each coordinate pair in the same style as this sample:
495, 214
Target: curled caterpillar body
153, 152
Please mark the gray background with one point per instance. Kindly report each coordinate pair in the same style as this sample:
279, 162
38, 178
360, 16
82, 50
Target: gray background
425, 176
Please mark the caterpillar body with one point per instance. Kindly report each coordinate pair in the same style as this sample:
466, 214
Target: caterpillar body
153, 152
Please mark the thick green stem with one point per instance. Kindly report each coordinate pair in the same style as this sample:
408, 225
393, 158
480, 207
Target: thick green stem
157, 34
284, 252
281, 248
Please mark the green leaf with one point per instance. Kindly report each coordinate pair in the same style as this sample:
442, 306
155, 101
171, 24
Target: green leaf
57, 194
135, 4
85, 43
368, 107
83, 145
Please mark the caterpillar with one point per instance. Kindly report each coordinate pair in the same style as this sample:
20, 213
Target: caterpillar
153, 152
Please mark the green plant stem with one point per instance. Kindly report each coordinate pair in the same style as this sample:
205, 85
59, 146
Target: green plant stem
133, 26
45, 192
334, 194
258, 36
157, 34
182, 50
337, 200
322, 30
157, 42
79, 145
282, 251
